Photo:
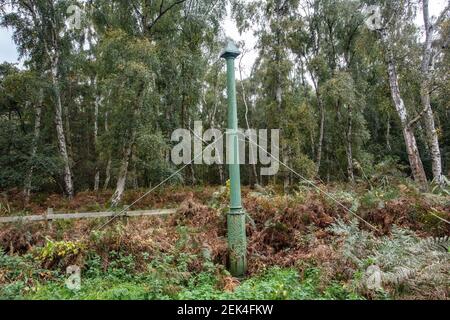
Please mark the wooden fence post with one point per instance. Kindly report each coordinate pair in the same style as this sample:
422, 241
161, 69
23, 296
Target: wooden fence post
48, 221
125, 215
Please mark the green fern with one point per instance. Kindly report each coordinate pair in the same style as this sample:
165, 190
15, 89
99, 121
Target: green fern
401, 258
434, 244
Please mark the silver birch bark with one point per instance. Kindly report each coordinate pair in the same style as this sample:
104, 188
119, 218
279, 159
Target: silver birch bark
97, 171
108, 163
430, 126
36, 134
50, 41
351, 177
410, 140
128, 150
62, 145
107, 174
321, 129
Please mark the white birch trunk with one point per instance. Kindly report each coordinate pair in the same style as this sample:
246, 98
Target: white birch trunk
351, 177
430, 127
108, 164
107, 174
287, 176
36, 134
123, 172
410, 140
68, 184
122, 178
97, 170
322, 118
321, 132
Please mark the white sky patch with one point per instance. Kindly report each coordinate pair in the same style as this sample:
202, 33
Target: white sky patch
436, 7
8, 51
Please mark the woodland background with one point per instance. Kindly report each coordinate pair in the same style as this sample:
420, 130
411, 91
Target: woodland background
94, 108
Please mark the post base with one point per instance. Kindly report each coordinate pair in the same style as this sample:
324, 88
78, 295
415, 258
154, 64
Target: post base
237, 243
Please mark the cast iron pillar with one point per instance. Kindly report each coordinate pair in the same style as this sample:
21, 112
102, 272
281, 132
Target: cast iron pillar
237, 241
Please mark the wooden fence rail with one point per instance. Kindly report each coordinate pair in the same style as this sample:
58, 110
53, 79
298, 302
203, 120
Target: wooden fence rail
49, 215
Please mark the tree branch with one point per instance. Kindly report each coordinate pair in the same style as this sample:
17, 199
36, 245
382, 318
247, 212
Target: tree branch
418, 117
162, 12
442, 16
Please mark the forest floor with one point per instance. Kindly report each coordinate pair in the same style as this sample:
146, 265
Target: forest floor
300, 246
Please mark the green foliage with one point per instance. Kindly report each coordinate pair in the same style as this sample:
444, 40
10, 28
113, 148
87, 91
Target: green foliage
92, 289
434, 220
121, 265
17, 275
384, 173
56, 251
275, 284
441, 189
377, 197
129, 82
402, 259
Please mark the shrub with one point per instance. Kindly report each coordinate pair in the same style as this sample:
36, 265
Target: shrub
59, 252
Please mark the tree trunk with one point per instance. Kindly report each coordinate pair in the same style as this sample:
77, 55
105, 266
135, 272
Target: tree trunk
285, 149
68, 135
107, 174
193, 179
322, 115
134, 174
122, 178
351, 177
97, 180
313, 143
36, 134
321, 132
388, 134
90, 39
68, 184
97, 170
410, 140
286, 159
108, 163
221, 175
433, 141
430, 127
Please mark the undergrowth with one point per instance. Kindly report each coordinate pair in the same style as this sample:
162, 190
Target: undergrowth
401, 263
300, 246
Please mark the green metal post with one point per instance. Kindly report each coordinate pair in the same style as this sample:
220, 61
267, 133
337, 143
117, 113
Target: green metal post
237, 241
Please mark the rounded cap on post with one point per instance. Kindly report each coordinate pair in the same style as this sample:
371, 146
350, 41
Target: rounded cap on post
230, 51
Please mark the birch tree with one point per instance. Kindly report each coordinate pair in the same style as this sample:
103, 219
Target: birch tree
393, 14
35, 144
37, 27
429, 52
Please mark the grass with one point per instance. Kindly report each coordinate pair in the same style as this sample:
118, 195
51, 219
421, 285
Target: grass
23, 279
275, 284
